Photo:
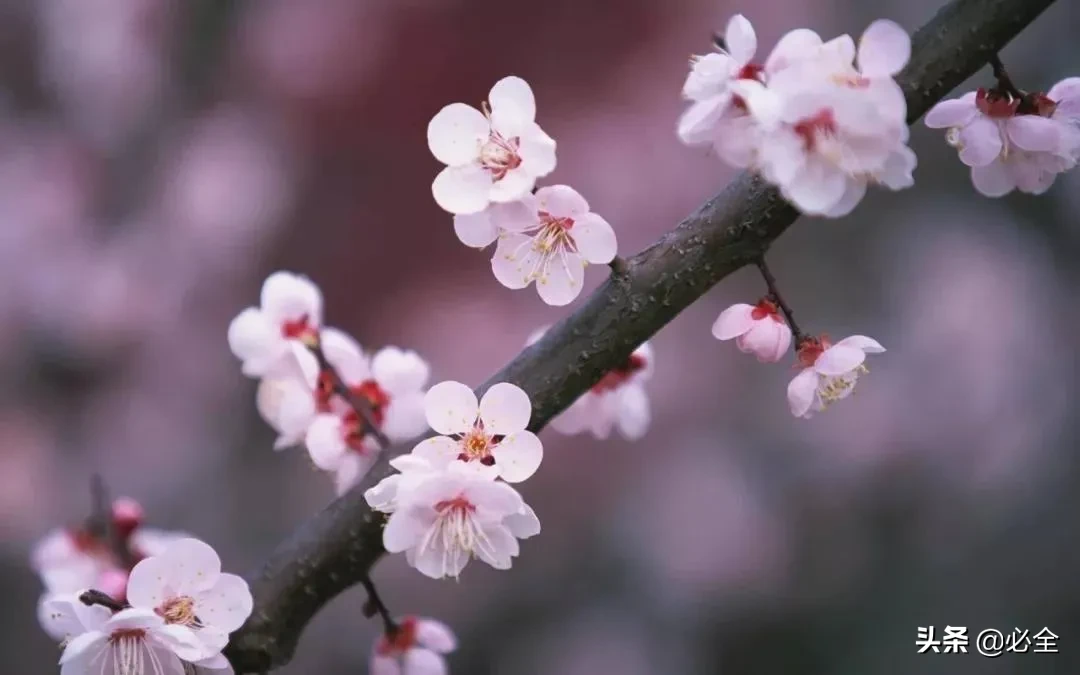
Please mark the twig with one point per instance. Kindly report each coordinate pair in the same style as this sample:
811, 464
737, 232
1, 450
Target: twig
101, 524
337, 547
375, 605
91, 598
774, 295
1004, 82
359, 404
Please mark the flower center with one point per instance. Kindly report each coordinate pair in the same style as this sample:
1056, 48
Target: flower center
810, 349
476, 444
995, 104
832, 389
500, 155
554, 234
354, 426
822, 123
455, 532
851, 80
617, 377
179, 610
298, 329
751, 71
401, 641
127, 635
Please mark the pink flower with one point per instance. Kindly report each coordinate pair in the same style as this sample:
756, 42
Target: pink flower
266, 338
550, 238
1013, 143
758, 329
416, 648
490, 156
829, 373
491, 432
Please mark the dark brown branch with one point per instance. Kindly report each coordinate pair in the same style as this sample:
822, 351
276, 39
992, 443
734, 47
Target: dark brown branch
1004, 82
360, 405
92, 598
375, 605
774, 295
102, 524
337, 547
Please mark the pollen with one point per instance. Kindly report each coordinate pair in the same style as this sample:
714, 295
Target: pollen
179, 610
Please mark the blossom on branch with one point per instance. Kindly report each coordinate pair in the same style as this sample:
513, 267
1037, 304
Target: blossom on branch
129, 642
490, 433
417, 648
550, 238
829, 372
1013, 143
490, 156
758, 329
267, 338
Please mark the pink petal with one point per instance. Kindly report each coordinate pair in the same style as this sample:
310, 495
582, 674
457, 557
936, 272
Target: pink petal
839, 360
768, 340
82, 645
955, 112
1067, 96
980, 142
575, 418
424, 662
148, 582
505, 408
698, 123
633, 414
708, 76
561, 201
437, 451
515, 185
384, 665
884, 49
352, 469
817, 188
854, 191
345, 355
325, 441
993, 180
436, 636
398, 371
405, 416
289, 297
462, 189
739, 38
451, 408
866, 344
802, 391
225, 606
500, 547
733, 321
514, 261
516, 216
793, 47
896, 173
456, 133
253, 337
537, 151
595, 239
476, 229
193, 566
403, 531
513, 106
1034, 133
523, 524
562, 280
518, 456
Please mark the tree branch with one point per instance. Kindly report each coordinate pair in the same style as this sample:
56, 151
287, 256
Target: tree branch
774, 295
337, 547
360, 405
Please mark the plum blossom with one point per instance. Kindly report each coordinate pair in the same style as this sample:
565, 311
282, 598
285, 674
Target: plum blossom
491, 433
185, 587
412, 470
550, 238
758, 329
490, 156
618, 400
417, 648
129, 642
1013, 142
829, 128
267, 338
456, 514
829, 372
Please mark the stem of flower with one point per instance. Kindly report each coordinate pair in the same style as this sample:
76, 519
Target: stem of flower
101, 524
358, 403
774, 295
375, 605
1004, 82
91, 598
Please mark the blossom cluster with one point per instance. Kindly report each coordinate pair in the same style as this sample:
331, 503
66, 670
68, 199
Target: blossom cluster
493, 159
820, 120
172, 613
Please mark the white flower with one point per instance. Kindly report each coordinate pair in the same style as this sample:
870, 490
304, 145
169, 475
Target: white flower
1013, 143
550, 238
130, 642
265, 338
758, 329
185, 586
412, 469
416, 648
829, 128
829, 373
618, 400
491, 156
491, 433
455, 514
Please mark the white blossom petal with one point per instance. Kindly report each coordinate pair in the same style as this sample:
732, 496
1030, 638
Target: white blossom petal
537, 152
518, 456
739, 38
802, 391
504, 409
884, 49
291, 297
595, 239
561, 201
980, 142
992, 180
514, 261
563, 280
733, 321
955, 112
437, 451
1034, 133
424, 662
839, 360
399, 371
436, 636
477, 230
456, 133
633, 411
866, 344
451, 407
513, 106
462, 189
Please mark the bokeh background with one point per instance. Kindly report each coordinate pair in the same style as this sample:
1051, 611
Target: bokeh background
159, 157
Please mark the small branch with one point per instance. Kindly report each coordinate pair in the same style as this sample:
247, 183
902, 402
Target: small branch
359, 404
91, 598
774, 295
1004, 82
375, 605
101, 523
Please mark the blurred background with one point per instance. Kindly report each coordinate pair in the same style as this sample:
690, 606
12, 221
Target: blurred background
158, 158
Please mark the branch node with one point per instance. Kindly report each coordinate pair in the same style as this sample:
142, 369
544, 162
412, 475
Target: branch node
358, 403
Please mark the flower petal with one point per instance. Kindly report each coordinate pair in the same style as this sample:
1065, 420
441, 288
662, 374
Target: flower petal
802, 391
980, 142
1034, 133
383, 495
424, 662
456, 133
992, 180
817, 188
524, 523
561, 281
385, 665
561, 201
518, 456
436, 636
514, 261
698, 123
793, 47
1067, 96
325, 441
854, 191
505, 408
451, 407
633, 411
403, 531
398, 371
514, 185
499, 547
476, 229
595, 239
866, 344
82, 645
291, 297
462, 189
405, 417
884, 49
254, 338
352, 469
537, 152
955, 112
733, 321
739, 38
226, 605
437, 451
839, 360
513, 106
